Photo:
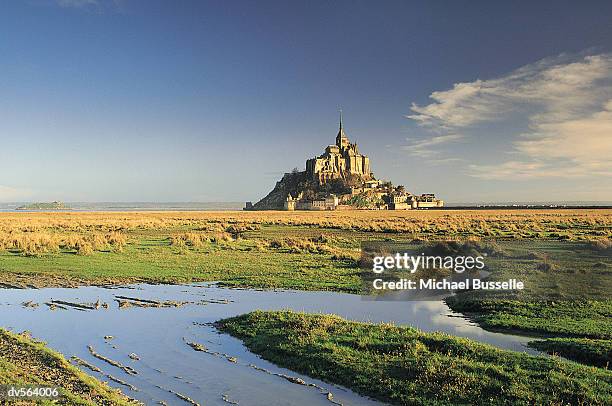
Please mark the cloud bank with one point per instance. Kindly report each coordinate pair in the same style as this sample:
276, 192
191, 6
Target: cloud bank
426, 148
77, 3
565, 102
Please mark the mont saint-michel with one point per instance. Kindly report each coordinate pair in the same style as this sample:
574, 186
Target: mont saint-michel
340, 178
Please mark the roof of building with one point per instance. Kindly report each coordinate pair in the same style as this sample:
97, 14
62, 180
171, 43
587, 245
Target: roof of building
341, 134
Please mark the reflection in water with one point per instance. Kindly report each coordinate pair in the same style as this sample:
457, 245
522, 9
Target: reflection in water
154, 340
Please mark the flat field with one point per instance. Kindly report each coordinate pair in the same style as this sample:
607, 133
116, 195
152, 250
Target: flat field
302, 250
321, 251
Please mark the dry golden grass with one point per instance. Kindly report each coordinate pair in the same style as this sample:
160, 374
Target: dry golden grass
38, 233
194, 239
468, 221
33, 243
300, 245
314, 250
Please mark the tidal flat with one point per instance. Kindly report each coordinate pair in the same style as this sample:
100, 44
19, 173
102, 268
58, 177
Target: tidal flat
301, 251
156, 341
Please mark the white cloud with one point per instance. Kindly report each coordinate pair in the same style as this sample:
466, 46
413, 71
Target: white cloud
570, 148
77, 3
565, 103
518, 170
465, 104
426, 148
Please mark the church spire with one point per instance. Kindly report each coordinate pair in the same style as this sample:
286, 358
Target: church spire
342, 140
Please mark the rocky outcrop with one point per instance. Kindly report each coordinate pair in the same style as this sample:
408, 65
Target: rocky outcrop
301, 185
291, 183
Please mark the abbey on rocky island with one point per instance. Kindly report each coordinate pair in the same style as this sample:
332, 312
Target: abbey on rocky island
341, 177
338, 161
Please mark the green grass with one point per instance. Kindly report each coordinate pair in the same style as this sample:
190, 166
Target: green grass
585, 350
570, 305
149, 257
25, 361
578, 330
324, 259
589, 319
404, 366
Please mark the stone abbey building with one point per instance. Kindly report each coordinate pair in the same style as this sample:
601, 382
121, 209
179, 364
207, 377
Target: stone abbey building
339, 178
339, 161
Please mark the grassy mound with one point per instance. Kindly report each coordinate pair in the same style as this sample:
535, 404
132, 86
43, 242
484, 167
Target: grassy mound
404, 366
25, 361
577, 330
587, 318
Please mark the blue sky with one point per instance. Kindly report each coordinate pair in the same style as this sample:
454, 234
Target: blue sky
213, 101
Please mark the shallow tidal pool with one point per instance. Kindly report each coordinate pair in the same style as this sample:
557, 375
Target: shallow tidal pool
151, 330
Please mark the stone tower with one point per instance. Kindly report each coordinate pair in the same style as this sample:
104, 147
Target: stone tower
339, 161
342, 140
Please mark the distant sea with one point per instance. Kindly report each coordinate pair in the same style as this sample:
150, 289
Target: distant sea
551, 204
221, 206
138, 206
